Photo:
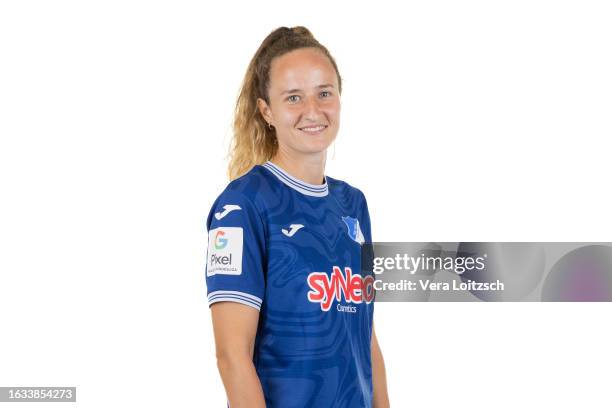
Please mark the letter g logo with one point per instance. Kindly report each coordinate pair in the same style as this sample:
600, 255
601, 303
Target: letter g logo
220, 242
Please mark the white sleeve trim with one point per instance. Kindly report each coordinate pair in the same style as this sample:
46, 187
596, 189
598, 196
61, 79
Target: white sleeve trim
234, 296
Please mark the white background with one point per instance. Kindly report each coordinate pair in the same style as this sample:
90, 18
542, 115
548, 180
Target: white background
461, 121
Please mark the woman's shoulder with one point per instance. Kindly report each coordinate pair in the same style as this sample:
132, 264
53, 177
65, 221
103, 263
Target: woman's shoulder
342, 187
246, 187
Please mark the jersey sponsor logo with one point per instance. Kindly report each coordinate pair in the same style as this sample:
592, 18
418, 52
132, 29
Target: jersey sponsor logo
354, 231
224, 251
353, 287
226, 210
220, 242
293, 228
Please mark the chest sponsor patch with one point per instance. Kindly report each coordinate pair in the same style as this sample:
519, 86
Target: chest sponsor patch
351, 286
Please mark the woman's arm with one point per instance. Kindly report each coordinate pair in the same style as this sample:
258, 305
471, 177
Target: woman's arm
379, 378
235, 326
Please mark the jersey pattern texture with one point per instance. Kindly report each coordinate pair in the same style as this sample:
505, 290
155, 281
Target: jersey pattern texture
292, 250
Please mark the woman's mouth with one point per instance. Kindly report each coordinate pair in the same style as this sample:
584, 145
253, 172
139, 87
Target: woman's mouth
313, 130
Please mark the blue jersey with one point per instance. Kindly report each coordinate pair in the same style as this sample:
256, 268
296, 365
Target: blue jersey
292, 250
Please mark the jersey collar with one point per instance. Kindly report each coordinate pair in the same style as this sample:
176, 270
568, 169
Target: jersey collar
315, 190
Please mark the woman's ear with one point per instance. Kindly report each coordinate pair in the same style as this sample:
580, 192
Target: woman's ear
264, 110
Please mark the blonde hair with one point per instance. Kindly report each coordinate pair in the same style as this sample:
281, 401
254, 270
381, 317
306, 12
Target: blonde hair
253, 141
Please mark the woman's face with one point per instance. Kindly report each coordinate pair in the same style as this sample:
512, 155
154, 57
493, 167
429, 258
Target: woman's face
304, 102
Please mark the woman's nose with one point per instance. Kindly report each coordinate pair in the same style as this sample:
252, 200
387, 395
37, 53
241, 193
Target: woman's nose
311, 108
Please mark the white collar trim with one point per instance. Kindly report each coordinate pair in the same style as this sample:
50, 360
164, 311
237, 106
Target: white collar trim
314, 190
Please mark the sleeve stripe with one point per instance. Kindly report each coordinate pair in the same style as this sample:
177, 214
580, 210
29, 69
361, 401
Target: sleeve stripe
235, 292
233, 299
234, 296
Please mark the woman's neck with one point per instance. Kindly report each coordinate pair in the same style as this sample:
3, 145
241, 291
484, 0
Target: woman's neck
310, 169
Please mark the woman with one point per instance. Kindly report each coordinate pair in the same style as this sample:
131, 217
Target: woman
291, 311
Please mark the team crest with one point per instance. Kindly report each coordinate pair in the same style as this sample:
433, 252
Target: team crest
353, 229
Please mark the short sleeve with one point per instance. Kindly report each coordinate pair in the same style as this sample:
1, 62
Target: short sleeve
236, 251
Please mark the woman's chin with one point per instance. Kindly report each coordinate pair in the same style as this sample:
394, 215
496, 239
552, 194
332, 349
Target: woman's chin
312, 148
317, 143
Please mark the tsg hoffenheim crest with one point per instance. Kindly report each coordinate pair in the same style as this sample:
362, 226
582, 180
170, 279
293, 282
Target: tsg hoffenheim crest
353, 229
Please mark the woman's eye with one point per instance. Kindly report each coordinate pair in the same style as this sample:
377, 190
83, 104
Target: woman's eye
293, 98
325, 93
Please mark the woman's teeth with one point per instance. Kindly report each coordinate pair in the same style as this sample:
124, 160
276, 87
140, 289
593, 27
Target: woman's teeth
314, 129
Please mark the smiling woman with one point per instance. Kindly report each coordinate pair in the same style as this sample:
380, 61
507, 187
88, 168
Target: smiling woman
304, 99
292, 314
292, 87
